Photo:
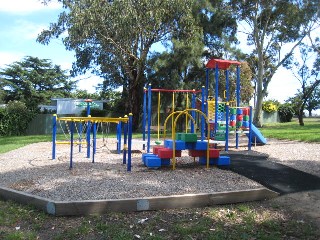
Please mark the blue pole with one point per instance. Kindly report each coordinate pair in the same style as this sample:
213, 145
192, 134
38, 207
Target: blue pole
144, 117
203, 106
94, 136
88, 109
250, 129
149, 116
117, 137
238, 100
227, 110
207, 83
80, 136
119, 131
54, 135
71, 142
129, 142
125, 133
88, 137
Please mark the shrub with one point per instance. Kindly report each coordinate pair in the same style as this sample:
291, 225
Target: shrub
3, 121
14, 119
19, 117
94, 112
286, 112
270, 106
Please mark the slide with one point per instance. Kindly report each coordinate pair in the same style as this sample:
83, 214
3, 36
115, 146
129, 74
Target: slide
256, 134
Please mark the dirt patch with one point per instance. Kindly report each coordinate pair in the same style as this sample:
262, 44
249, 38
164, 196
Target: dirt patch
301, 203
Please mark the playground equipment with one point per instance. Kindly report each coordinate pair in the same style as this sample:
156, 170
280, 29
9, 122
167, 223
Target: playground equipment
184, 141
147, 111
217, 120
223, 111
90, 124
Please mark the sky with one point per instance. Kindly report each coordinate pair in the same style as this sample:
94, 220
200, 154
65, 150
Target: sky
22, 20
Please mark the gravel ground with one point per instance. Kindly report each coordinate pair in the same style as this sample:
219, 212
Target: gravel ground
31, 169
299, 155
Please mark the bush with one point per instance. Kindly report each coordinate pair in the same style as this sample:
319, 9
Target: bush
14, 119
94, 112
286, 112
19, 117
270, 106
3, 121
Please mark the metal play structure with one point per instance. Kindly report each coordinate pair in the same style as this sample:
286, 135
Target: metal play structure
147, 111
216, 119
89, 124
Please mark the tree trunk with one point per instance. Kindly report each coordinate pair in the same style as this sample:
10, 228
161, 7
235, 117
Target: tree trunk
135, 96
300, 117
260, 94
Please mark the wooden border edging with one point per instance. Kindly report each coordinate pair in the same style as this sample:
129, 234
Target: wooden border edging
76, 208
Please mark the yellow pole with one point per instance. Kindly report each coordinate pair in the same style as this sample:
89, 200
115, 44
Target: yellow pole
174, 146
173, 112
158, 116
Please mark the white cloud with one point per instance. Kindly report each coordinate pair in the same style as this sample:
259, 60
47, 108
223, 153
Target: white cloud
9, 57
88, 82
26, 30
283, 85
26, 6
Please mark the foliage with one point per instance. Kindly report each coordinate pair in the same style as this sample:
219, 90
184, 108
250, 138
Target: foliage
14, 119
34, 81
270, 106
313, 103
294, 102
94, 112
286, 112
84, 94
269, 25
3, 121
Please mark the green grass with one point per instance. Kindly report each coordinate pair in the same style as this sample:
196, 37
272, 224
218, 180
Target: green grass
11, 143
242, 221
310, 132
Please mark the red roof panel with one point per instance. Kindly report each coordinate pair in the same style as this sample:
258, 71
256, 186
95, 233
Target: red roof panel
222, 64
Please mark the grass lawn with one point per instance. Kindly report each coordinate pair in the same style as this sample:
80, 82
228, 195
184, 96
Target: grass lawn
310, 132
258, 220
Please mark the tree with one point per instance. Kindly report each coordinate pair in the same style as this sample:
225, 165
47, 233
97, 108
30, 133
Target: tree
271, 24
113, 38
304, 75
313, 103
34, 81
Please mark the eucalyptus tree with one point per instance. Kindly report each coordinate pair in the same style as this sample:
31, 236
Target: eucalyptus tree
270, 25
307, 79
113, 38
